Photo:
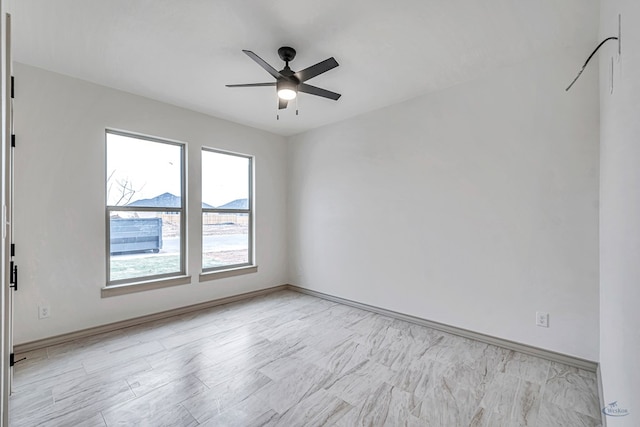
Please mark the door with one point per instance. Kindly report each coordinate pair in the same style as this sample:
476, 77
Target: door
10, 271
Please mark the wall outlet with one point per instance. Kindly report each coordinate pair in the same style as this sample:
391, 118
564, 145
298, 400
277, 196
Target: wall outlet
542, 319
44, 311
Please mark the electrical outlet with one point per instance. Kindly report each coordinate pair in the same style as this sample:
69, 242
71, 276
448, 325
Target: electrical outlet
44, 311
542, 319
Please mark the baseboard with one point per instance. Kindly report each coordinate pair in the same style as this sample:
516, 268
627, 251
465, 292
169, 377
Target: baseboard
83, 333
488, 339
511, 345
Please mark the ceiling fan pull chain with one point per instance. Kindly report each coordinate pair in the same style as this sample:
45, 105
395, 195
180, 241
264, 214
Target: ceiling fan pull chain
296, 105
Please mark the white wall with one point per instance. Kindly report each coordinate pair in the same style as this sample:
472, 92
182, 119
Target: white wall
620, 212
475, 206
60, 192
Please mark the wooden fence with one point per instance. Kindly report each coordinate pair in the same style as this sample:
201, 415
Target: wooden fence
211, 219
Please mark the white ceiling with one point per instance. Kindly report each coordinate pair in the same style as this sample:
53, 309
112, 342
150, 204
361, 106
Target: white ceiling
183, 52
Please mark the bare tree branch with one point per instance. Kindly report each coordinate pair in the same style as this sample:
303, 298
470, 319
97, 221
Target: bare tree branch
125, 187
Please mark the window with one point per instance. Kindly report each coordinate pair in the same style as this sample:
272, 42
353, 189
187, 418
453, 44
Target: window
145, 189
227, 210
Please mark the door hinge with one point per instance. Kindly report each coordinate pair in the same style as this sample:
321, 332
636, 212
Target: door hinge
13, 361
13, 139
13, 280
12, 87
13, 249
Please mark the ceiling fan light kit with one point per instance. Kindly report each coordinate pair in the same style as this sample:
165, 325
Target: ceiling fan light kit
288, 83
287, 90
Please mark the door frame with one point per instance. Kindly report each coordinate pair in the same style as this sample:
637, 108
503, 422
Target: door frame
6, 296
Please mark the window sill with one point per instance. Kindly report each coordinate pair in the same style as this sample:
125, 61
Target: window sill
129, 288
221, 274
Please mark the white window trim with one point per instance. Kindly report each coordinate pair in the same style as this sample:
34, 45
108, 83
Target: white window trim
231, 272
145, 285
137, 284
233, 269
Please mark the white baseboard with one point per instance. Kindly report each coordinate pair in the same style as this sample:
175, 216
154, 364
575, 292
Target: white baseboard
587, 365
511, 345
83, 333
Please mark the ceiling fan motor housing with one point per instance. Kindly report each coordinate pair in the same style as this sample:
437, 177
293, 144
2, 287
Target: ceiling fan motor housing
287, 53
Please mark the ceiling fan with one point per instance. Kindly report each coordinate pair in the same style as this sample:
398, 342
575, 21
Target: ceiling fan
288, 82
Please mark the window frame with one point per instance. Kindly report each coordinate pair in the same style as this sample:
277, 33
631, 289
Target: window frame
232, 268
145, 281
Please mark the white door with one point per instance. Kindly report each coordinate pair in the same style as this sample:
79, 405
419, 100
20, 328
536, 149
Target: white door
10, 271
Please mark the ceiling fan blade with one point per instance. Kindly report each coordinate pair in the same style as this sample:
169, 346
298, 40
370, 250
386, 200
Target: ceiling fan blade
263, 64
253, 85
314, 70
282, 103
312, 90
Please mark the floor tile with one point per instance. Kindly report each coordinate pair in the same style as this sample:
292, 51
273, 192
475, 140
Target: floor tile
574, 388
158, 407
289, 359
251, 412
318, 409
552, 415
222, 396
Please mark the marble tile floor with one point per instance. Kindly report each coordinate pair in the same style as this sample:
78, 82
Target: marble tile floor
289, 359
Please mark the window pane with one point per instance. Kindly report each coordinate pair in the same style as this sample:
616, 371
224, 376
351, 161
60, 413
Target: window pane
144, 244
225, 239
225, 181
143, 173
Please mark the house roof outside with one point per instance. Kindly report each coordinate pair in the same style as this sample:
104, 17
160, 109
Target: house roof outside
168, 200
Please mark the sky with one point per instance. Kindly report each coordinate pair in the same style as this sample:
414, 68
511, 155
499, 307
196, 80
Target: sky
150, 168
